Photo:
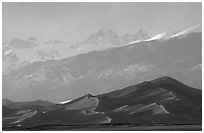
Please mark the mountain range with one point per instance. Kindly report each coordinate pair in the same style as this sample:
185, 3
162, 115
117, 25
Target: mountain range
18, 52
163, 102
177, 54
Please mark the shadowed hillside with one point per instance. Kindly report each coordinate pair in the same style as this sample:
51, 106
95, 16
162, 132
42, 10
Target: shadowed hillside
160, 101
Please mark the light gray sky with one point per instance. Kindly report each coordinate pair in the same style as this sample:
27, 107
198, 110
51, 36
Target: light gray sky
76, 21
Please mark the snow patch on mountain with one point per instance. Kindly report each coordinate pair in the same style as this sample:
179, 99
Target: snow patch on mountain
157, 37
67, 101
8, 52
184, 32
134, 42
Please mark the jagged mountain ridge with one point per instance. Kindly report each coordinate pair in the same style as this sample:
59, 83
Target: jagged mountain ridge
18, 52
102, 71
109, 37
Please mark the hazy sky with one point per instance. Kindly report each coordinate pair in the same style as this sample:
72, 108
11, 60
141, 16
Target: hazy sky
76, 21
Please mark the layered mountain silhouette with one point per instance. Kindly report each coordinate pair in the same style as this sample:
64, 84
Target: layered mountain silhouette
163, 101
106, 70
108, 38
18, 52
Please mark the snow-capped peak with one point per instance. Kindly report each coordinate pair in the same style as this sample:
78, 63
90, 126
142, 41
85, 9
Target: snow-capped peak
137, 41
184, 32
167, 35
164, 35
157, 37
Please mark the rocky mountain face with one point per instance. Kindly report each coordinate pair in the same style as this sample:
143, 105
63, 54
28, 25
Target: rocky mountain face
107, 70
18, 53
107, 38
162, 101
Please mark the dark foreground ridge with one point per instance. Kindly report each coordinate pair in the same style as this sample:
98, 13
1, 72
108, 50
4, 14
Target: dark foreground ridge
160, 104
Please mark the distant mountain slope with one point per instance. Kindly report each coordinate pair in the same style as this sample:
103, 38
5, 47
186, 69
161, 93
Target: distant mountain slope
6, 101
105, 70
191, 76
21, 105
160, 101
18, 52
